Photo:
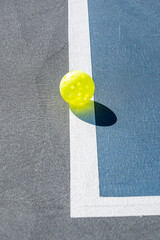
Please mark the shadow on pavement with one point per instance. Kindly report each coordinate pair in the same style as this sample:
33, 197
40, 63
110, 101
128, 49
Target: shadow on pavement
95, 113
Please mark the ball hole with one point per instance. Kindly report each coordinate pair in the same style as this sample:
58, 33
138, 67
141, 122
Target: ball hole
72, 87
79, 94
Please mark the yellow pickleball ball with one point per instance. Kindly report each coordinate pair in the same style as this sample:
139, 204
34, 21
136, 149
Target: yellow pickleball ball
77, 87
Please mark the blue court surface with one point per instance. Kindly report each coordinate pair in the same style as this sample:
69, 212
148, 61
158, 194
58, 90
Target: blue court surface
125, 54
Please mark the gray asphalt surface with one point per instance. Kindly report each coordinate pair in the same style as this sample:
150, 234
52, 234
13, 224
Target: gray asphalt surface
34, 125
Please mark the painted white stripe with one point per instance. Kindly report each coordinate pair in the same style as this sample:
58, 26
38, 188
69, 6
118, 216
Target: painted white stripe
84, 184
83, 145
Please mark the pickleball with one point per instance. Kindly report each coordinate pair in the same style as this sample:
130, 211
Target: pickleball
77, 88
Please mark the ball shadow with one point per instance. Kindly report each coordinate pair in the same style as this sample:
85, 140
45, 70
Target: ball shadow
95, 113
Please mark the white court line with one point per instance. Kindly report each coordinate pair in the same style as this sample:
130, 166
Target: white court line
84, 183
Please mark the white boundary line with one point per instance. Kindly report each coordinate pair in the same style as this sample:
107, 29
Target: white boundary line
84, 185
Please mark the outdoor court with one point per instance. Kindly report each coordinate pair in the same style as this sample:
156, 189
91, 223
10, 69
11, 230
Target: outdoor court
69, 173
